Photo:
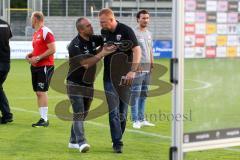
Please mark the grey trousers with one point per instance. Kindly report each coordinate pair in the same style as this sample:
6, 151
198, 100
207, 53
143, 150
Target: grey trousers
80, 106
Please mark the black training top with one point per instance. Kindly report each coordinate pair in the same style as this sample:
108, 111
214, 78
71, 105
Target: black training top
125, 39
79, 49
5, 35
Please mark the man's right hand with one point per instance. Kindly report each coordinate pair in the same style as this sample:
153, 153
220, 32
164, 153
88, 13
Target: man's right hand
28, 57
108, 49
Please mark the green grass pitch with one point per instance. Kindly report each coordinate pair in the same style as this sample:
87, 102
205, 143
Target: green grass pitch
208, 79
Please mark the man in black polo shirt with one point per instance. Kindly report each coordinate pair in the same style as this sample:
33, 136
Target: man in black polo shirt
5, 35
83, 55
116, 67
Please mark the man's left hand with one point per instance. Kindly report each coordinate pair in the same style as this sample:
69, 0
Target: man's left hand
34, 60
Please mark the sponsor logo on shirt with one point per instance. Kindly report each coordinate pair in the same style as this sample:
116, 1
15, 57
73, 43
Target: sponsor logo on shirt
118, 37
86, 51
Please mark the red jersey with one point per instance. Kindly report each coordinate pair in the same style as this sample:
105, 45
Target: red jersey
41, 38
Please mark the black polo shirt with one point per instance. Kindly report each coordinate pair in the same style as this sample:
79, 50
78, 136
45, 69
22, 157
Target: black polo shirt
80, 49
5, 35
121, 34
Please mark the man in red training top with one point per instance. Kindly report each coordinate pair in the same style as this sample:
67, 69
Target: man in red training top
42, 64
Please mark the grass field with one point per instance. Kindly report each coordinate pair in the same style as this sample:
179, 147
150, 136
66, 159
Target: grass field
214, 101
212, 79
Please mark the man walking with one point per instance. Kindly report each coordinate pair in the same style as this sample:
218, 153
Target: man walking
117, 33
6, 34
42, 64
83, 54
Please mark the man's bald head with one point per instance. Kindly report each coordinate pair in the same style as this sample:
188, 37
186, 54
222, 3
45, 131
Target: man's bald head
84, 26
107, 12
107, 19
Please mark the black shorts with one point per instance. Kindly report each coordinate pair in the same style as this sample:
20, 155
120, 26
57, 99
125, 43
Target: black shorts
41, 77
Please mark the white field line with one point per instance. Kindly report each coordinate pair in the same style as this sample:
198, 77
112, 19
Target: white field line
205, 85
127, 130
102, 125
232, 149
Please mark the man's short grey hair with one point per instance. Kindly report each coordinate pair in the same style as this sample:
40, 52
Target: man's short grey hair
78, 23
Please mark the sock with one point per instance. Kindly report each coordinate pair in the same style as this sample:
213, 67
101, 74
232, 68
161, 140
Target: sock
40, 111
43, 112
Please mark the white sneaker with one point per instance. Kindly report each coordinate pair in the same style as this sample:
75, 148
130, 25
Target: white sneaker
137, 125
84, 148
73, 145
146, 123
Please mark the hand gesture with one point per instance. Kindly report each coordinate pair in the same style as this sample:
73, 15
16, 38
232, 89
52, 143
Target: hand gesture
108, 49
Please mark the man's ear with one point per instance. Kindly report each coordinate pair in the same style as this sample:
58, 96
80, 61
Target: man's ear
80, 30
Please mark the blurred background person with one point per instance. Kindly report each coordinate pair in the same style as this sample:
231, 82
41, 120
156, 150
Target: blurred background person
5, 35
140, 84
42, 64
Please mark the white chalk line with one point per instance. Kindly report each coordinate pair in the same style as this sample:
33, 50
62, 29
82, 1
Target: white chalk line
232, 149
127, 130
205, 85
101, 125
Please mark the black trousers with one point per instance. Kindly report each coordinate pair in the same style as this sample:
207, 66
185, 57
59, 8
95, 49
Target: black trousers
4, 105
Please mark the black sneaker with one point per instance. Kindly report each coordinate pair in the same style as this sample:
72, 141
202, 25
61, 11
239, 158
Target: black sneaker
41, 123
117, 148
4, 120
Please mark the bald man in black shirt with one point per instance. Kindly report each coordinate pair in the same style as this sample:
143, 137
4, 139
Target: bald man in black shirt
6, 34
84, 53
120, 69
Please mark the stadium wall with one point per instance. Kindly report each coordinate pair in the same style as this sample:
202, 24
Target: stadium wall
19, 49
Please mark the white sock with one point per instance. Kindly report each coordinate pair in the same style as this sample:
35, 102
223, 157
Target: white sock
43, 112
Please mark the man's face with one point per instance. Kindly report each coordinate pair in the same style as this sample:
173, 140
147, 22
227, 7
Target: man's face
105, 22
143, 20
87, 28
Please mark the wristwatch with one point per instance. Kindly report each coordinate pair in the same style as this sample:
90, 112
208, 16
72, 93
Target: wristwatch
38, 58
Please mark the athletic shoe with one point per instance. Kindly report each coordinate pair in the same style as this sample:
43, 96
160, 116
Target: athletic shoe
73, 145
84, 148
137, 125
41, 123
146, 123
4, 120
117, 148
